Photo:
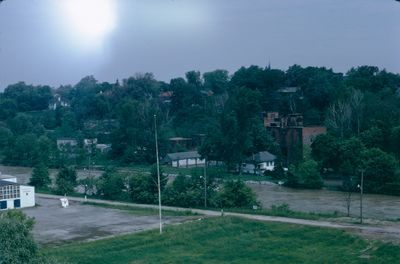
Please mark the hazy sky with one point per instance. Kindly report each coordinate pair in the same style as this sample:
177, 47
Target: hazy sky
60, 41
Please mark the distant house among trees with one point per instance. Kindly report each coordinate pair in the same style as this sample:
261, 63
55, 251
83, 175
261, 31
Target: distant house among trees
184, 159
103, 148
259, 163
66, 144
57, 101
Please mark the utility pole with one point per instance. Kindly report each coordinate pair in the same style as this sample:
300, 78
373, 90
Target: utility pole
361, 195
158, 174
205, 182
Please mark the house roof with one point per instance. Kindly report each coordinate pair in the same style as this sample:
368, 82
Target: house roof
262, 156
6, 183
181, 155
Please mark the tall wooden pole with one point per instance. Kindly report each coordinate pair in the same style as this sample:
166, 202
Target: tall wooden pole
205, 182
361, 196
158, 174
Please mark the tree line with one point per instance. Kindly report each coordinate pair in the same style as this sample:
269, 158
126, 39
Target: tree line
362, 105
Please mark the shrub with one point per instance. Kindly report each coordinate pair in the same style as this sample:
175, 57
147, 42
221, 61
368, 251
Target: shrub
16, 240
66, 180
235, 194
40, 176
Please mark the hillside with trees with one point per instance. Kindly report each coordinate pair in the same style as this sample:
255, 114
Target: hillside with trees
361, 110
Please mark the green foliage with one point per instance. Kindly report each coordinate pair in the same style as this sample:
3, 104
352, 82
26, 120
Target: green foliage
278, 173
350, 151
28, 97
143, 188
292, 178
308, 172
380, 172
133, 140
66, 180
40, 177
235, 194
306, 175
324, 150
16, 240
111, 185
373, 138
395, 141
188, 191
216, 81
5, 137
362, 109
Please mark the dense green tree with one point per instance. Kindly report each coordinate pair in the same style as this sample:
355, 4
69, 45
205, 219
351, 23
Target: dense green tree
309, 174
188, 191
380, 172
133, 140
395, 141
235, 194
16, 239
6, 137
144, 188
40, 176
23, 151
216, 81
111, 185
373, 138
350, 151
293, 179
325, 149
21, 124
66, 180
28, 97
8, 109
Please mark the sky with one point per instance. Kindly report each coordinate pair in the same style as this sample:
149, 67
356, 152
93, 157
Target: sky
58, 42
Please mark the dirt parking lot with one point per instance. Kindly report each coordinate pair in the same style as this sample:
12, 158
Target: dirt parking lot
78, 222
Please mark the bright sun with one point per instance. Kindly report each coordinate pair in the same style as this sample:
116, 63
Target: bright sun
92, 20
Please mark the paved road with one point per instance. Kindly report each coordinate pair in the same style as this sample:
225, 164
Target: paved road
381, 230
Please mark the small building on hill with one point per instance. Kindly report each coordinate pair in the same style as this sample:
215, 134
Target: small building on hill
184, 159
66, 143
259, 163
14, 195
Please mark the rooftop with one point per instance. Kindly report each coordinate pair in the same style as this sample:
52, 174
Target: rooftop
262, 156
6, 183
182, 155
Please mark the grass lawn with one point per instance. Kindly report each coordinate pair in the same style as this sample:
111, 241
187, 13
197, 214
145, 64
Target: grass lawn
230, 240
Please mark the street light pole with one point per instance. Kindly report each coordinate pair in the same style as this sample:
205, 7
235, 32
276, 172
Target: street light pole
158, 174
205, 182
361, 195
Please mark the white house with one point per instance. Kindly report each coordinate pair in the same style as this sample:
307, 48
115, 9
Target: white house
13, 195
103, 148
184, 159
66, 143
259, 163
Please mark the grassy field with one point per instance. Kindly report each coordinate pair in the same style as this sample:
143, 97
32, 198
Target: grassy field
230, 240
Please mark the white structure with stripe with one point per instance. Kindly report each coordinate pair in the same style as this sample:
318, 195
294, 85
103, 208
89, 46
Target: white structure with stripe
13, 195
184, 159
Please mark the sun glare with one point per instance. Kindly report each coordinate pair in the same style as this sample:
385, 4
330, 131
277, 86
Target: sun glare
92, 20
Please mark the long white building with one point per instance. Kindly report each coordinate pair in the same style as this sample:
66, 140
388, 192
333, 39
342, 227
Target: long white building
14, 195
